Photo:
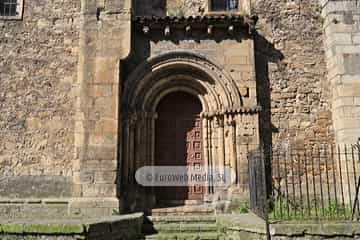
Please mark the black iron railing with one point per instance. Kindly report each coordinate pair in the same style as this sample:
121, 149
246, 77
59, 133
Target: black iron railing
317, 182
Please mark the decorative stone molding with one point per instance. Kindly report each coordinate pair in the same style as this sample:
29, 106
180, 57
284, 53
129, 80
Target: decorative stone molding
229, 23
170, 72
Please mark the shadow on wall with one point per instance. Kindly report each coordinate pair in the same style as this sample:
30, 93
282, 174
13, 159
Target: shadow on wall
265, 53
156, 8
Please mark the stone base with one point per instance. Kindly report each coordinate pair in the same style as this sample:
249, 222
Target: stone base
115, 227
58, 208
94, 207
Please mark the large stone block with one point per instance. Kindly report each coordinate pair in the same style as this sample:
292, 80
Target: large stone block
106, 106
87, 152
356, 39
105, 176
350, 79
347, 90
330, 7
352, 63
352, 123
347, 49
242, 60
106, 126
343, 101
339, 38
35, 187
348, 136
105, 70
102, 139
99, 165
82, 177
101, 90
99, 190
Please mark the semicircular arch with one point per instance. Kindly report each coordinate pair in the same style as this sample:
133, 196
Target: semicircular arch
180, 70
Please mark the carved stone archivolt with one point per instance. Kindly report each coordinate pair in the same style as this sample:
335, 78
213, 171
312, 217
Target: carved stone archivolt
224, 116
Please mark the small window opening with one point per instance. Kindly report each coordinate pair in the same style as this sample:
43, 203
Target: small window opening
8, 8
224, 5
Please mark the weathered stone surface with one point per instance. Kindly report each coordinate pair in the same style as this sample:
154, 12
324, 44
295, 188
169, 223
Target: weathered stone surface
64, 72
171, 7
115, 227
352, 63
291, 71
38, 68
35, 187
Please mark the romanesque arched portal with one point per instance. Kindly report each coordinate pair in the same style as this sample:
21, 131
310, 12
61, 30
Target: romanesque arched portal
224, 118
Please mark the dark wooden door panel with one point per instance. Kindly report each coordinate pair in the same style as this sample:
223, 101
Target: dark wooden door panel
179, 142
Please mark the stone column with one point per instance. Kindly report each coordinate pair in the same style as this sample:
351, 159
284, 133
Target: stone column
221, 143
233, 161
206, 149
341, 41
104, 41
342, 49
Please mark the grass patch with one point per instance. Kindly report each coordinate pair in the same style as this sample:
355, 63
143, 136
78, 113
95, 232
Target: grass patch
296, 210
244, 207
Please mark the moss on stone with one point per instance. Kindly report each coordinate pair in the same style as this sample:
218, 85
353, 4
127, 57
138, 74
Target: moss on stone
12, 228
65, 229
62, 229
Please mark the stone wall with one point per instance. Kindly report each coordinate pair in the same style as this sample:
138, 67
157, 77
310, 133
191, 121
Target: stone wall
342, 45
61, 75
170, 7
58, 103
291, 73
179, 8
38, 65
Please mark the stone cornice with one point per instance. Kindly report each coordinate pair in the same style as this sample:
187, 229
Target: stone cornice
229, 23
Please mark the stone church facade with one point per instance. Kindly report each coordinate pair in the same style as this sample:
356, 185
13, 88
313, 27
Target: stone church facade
91, 91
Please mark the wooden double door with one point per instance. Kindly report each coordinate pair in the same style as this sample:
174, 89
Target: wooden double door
178, 142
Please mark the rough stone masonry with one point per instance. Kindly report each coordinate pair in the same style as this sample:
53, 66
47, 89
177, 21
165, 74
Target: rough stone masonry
62, 75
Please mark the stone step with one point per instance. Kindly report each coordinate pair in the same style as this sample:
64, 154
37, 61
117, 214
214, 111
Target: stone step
183, 236
181, 228
197, 222
183, 211
182, 219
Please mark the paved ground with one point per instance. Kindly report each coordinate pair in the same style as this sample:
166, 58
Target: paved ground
246, 222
